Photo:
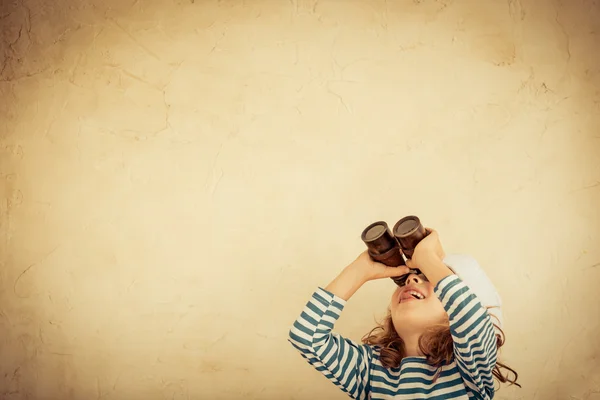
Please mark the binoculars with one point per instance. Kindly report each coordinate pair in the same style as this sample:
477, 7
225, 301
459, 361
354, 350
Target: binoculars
389, 248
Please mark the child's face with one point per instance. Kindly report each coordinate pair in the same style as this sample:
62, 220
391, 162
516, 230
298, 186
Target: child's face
415, 307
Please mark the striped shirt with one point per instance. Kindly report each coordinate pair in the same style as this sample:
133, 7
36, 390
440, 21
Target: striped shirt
357, 370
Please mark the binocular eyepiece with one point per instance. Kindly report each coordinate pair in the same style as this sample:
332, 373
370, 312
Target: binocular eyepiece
389, 248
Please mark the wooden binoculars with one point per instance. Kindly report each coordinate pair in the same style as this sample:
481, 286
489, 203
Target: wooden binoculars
389, 248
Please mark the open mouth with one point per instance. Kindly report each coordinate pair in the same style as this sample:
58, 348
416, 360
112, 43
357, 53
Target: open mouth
410, 295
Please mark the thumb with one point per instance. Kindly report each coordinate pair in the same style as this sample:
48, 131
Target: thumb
409, 264
391, 272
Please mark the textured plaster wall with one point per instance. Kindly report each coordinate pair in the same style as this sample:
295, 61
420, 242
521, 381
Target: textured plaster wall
176, 177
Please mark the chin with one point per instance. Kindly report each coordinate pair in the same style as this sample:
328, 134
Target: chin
414, 320
419, 315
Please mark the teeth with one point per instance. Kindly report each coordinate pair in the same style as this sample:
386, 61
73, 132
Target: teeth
416, 294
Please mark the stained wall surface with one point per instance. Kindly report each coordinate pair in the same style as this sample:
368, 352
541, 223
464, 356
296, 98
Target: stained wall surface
177, 177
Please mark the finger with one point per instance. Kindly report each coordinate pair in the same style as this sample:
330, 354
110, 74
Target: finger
391, 272
409, 264
377, 264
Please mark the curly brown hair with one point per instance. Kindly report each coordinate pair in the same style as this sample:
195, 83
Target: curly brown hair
436, 344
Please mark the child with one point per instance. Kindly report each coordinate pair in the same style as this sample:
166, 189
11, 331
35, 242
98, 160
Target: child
437, 342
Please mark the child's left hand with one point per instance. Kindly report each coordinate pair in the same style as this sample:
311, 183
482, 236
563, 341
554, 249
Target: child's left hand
371, 270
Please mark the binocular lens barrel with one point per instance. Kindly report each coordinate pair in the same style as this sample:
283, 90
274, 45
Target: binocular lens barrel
382, 245
409, 232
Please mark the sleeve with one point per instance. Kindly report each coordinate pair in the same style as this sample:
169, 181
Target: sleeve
473, 334
342, 361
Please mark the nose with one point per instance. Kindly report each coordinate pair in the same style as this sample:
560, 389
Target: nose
413, 278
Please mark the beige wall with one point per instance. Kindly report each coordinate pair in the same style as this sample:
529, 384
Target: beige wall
178, 176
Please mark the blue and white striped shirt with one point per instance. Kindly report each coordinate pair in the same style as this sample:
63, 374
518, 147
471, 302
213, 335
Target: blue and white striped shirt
357, 368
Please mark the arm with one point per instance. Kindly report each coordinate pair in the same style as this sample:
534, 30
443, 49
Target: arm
473, 335
470, 324
342, 361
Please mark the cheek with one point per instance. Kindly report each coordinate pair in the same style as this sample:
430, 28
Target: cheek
430, 292
394, 299
436, 311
